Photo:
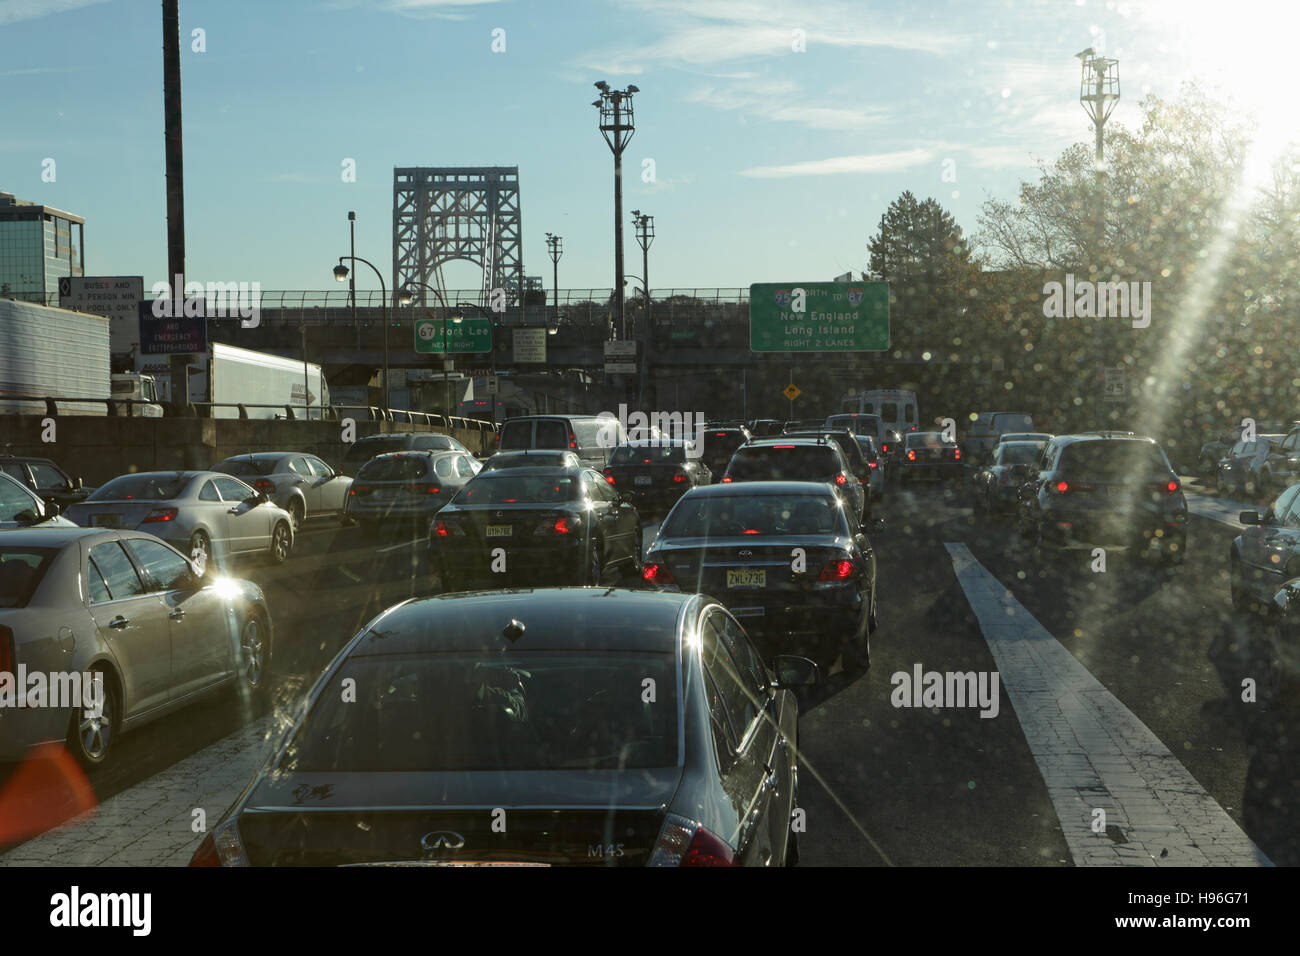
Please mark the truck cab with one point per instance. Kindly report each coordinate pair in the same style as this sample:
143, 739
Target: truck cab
137, 387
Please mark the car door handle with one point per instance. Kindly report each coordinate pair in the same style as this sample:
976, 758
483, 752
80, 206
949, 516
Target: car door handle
119, 622
233, 511
177, 614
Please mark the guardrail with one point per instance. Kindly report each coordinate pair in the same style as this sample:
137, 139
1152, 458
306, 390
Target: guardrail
126, 407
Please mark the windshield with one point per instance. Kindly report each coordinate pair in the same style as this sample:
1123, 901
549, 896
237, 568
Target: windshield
394, 468
648, 455
365, 450
1016, 454
495, 488
783, 462
1113, 460
712, 516
528, 711
159, 487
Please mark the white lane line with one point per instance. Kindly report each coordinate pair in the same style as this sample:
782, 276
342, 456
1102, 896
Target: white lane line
150, 824
1223, 510
1093, 752
395, 547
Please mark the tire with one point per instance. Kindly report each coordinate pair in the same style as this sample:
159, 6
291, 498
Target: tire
281, 542
199, 541
297, 514
254, 655
91, 740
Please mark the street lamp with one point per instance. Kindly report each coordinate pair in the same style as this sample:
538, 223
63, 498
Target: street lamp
555, 246
617, 126
341, 273
406, 297
645, 235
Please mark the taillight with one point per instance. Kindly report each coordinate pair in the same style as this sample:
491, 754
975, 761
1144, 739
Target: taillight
8, 653
956, 454
561, 526
783, 447
264, 484
872, 464
443, 529
573, 440
657, 574
911, 456
838, 570
420, 488
884, 448
160, 514
221, 847
841, 480
684, 842
680, 477
1062, 487
727, 479
609, 476
1172, 487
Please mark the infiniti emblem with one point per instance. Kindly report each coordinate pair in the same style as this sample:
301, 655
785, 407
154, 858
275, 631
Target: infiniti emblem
746, 554
442, 840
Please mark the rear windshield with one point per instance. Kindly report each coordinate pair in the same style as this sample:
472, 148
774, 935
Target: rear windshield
369, 448
861, 424
246, 467
923, 439
503, 488
144, 487
713, 516
1113, 460
788, 462
21, 570
648, 455
521, 711
528, 461
718, 444
395, 468
1017, 454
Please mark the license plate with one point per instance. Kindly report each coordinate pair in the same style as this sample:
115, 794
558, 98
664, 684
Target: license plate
746, 578
642, 480
106, 521
498, 530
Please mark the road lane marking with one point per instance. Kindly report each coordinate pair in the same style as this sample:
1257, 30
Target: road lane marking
1093, 752
395, 547
149, 824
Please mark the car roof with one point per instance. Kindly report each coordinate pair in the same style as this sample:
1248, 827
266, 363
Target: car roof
474, 621
59, 536
1076, 438
174, 473
10, 457
268, 455
573, 470
770, 440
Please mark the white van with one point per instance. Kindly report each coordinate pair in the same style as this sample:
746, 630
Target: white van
895, 406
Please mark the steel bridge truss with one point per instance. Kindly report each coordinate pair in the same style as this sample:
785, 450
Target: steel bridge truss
446, 213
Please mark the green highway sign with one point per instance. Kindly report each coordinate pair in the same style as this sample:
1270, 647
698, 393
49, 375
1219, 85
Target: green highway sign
467, 335
819, 316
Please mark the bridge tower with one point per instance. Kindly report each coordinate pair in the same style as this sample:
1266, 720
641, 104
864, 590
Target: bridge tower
445, 213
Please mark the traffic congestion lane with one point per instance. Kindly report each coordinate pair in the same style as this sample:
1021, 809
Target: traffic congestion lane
1168, 644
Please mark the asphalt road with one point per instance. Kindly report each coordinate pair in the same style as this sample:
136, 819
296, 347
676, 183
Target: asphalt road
884, 784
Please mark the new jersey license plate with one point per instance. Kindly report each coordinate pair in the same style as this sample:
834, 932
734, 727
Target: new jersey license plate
746, 578
498, 530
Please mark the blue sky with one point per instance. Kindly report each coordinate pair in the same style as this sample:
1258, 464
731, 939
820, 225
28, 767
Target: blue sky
770, 164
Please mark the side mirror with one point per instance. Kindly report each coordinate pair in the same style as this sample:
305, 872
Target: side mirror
52, 510
792, 671
1250, 517
78, 484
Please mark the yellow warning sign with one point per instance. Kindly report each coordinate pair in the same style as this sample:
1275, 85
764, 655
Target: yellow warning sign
791, 391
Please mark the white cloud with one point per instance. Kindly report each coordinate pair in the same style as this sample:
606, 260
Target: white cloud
777, 101
838, 165
14, 11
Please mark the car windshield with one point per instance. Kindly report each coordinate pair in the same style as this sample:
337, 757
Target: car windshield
497, 488
370, 447
21, 571
156, 487
463, 713
727, 516
247, 467
394, 468
1017, 454
1113, 460
648, 455
783, 462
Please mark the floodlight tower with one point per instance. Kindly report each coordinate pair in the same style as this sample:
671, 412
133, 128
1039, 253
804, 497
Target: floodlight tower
617, 126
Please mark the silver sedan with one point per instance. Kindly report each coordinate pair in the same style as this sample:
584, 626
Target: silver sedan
204, 514
301, 484
81, 602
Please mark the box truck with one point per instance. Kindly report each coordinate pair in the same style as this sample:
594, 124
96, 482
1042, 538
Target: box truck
242, 375
55, 353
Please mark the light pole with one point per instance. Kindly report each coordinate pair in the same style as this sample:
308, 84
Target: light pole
352, 282
555, 246
406, 298
341, 273
645, 235
617, 126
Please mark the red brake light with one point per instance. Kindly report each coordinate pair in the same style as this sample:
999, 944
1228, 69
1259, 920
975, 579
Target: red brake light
679, 477
264, 484
956, 454
884, 448
573, 440
160, 514
751, 531
872, 464
911, 456
706, 849
658, 574
727, 479
561, 526
206, 854
1172, 486
609, 476
783, 447
840, 570
841, 480
1062, 486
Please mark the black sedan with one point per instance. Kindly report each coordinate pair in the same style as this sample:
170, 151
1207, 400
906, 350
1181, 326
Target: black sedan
929, 455
654, 475
995, 487
573, 726
787, 558
720, 443
524, 527
1267, 552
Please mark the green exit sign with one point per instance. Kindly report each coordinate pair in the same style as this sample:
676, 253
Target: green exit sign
819, 316
467, 335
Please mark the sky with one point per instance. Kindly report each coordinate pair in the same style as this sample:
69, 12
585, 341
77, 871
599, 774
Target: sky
771, 134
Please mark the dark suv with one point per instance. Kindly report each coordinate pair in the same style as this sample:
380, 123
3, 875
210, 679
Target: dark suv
798, 459
46, 479
1100, 490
